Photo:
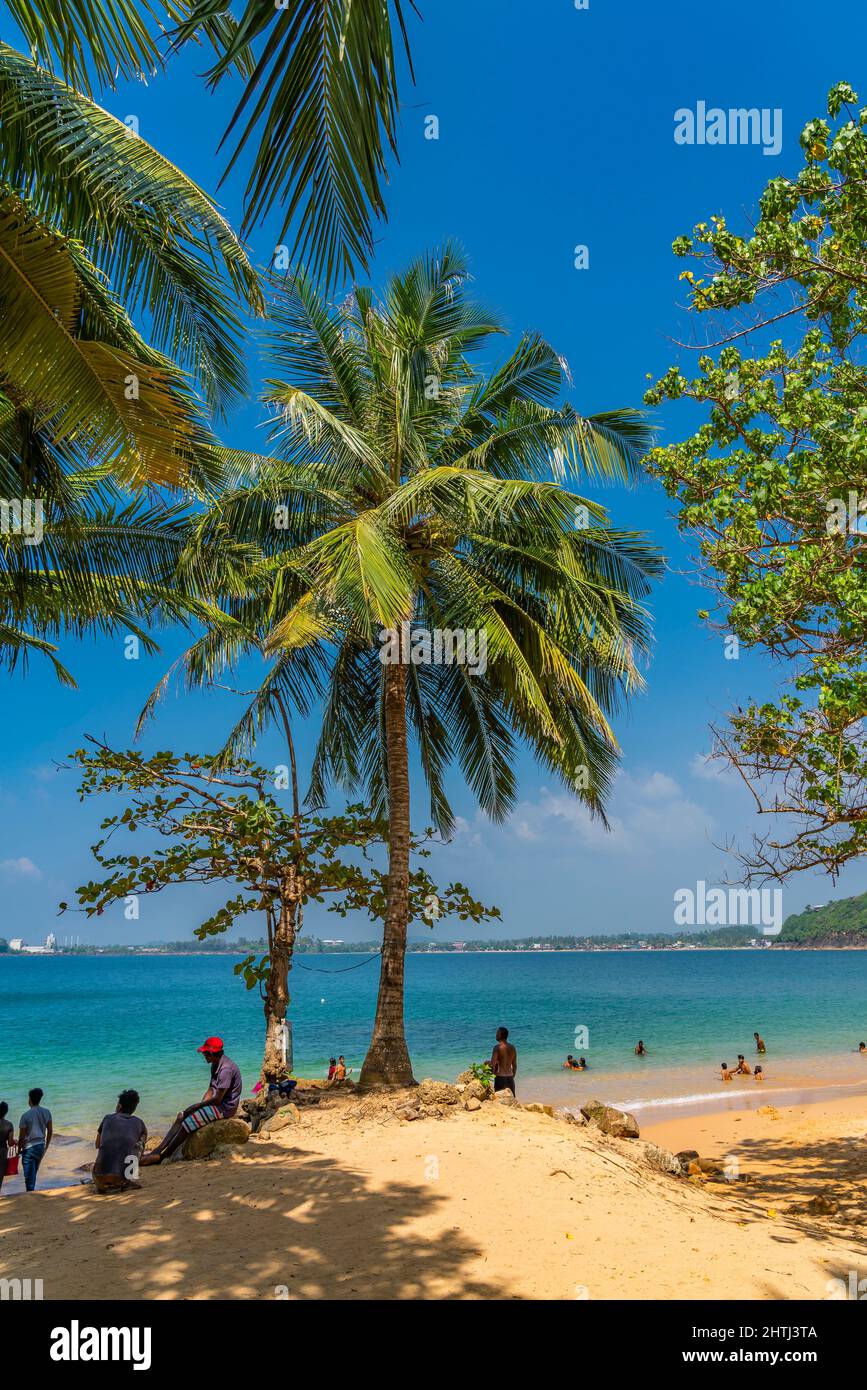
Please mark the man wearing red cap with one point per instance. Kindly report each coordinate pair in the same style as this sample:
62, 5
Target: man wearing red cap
220, 1102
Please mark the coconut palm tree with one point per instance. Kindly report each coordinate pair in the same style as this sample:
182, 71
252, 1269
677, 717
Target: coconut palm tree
408, 489
96, 226
319, 105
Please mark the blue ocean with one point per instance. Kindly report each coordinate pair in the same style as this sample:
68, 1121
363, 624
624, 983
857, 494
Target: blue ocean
83, 1028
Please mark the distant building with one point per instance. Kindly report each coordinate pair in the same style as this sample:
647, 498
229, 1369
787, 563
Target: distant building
47, 950
16, 944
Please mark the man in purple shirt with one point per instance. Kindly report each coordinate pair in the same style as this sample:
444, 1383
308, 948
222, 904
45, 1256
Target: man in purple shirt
220, 1102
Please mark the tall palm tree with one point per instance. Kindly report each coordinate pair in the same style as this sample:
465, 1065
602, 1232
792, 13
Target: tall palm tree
96, 226
409, 489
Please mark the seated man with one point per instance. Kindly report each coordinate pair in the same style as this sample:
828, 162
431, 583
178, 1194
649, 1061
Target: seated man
743, 1068
120, 1141
724, 1070
220, 1102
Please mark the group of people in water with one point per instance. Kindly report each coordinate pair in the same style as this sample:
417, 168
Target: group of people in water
743, 1067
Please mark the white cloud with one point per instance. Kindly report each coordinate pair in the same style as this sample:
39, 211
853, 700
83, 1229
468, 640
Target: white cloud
647, 814
710, 769
20, 868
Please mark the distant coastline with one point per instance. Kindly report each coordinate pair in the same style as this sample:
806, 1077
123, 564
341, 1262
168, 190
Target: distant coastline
415, 948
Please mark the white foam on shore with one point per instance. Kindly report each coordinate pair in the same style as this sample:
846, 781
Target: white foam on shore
700, 1097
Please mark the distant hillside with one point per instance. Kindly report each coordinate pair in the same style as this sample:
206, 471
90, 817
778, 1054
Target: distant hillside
841, 923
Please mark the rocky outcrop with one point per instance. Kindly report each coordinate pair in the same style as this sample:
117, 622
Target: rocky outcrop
205, 1140
505, 1097
618, 1123
662, 1160
536, 1109
281, 1119
437, 1093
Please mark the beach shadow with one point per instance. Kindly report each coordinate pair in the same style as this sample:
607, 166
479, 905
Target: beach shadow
274, 1223
790, 1174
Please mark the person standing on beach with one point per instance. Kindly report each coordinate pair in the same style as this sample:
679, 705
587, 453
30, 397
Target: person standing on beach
760, 1044
504, 1062
120, 1141
7, 1132
220, 1102
35, 1132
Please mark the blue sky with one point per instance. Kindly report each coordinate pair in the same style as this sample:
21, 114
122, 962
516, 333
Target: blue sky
555, 129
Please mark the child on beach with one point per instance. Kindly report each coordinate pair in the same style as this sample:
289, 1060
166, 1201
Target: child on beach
743, 1068
759, 1074
724, 1071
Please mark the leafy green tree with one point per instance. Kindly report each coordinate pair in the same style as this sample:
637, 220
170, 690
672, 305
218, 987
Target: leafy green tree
412, 494
204, 823
773, 485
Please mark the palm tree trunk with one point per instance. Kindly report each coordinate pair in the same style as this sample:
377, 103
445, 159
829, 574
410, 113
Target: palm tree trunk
387, 1062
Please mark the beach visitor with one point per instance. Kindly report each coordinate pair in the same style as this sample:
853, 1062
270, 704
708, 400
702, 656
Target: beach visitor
332, 1067
743, 1068
570, 1063
35, 1132
760, 1045
504, 1062
640, 1049
582, 1064
220, 1102
759, 1074
862, 1047
724, 1070
120, 1142
7, 1134
340, 1072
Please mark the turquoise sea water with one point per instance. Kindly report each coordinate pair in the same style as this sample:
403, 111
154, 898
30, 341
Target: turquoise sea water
83, 1028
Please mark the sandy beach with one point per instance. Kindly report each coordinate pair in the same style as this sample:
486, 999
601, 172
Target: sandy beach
353, 1202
